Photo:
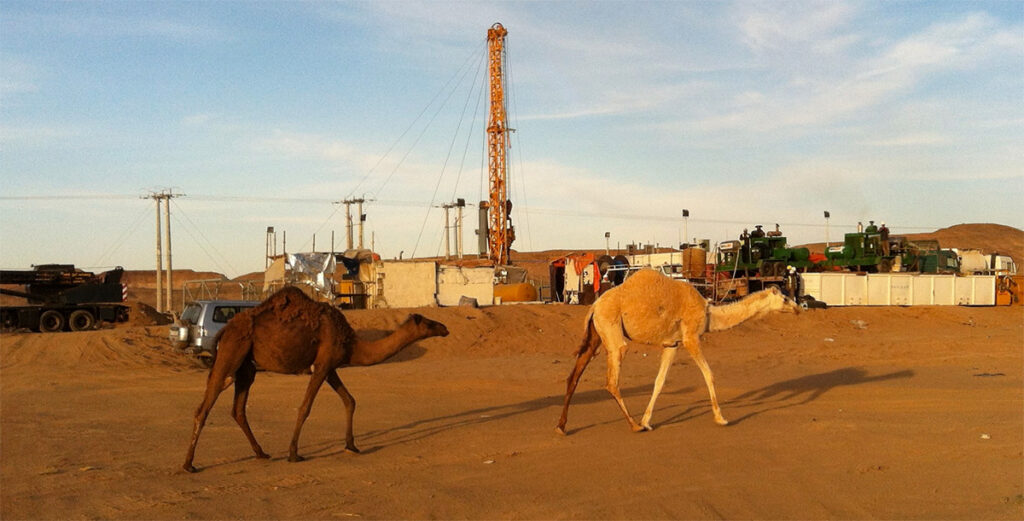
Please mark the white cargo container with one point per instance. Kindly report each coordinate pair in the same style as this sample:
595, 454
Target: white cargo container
899, 289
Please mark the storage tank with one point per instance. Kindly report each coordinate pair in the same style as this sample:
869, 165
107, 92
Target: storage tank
520, 292
694, 260
972, 261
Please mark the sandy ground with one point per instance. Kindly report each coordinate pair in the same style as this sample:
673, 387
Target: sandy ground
844, 413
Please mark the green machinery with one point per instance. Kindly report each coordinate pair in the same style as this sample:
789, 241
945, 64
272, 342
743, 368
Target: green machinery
866, 251
925, 256
862, 251
761, 254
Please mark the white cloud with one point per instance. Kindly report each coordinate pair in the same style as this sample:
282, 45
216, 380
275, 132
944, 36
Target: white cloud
135, 25
198, 120
17, 76
768, 27
35, 134
919, 139
815, 97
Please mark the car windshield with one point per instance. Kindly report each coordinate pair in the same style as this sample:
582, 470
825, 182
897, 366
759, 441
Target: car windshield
191, 313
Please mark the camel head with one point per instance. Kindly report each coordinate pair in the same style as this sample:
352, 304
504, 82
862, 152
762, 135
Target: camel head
426, 327
779, 301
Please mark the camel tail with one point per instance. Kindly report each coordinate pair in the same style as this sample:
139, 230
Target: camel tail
589, 335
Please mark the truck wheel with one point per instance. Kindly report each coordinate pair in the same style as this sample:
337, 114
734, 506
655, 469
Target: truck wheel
81, 320
51, 321
884, 265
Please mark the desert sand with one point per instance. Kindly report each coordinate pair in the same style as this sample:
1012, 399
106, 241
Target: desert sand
841, 413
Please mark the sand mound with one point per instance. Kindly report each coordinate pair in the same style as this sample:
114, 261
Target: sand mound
143, 314
129, 347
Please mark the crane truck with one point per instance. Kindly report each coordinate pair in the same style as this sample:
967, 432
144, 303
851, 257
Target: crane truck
60, 298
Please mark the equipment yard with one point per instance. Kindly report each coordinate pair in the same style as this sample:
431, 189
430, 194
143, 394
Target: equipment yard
844, 413
790, 356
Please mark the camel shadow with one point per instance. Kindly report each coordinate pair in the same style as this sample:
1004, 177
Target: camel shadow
795, 392
421, 429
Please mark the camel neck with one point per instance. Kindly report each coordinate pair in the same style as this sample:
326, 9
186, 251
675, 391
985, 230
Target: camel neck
730, 315
369, 352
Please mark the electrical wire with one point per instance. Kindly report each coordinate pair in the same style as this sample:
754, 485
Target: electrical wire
419, 204
199, 243
473, 120
451, 146
525, 212
406, 131
429, 123
64, 197
120, 240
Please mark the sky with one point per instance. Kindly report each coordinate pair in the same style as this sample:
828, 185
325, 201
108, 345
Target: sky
624, 113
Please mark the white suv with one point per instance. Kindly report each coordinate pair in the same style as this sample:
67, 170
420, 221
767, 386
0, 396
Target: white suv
201, 320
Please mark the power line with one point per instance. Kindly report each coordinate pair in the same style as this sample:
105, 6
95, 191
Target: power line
419, 204
64, 197
116, 245
208, 241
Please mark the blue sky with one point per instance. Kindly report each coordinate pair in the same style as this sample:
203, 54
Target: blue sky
264, 113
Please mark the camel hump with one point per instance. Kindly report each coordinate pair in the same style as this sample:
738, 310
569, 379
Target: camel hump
652, 285
645, 276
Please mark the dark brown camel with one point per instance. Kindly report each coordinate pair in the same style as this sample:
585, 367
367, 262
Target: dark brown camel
288, 333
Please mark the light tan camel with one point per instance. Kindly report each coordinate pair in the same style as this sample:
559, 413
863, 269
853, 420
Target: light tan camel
651, 308
288, 333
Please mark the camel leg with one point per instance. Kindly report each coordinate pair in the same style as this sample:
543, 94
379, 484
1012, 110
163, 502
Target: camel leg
315, 381
243, 381
592, 342
226, 363
615, 356
692, 344
668, 354
350, 408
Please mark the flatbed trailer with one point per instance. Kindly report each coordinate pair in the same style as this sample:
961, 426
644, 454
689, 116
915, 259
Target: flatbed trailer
62, 298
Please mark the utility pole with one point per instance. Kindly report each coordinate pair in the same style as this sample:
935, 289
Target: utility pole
167, 235
456, 229
348, 225
159, 259
348, 219
163, 198
447, 231
362, 219
460, 204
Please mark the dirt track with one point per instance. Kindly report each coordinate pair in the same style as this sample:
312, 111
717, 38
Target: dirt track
889, 413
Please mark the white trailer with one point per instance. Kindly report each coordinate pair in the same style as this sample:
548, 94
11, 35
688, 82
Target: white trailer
899, 289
